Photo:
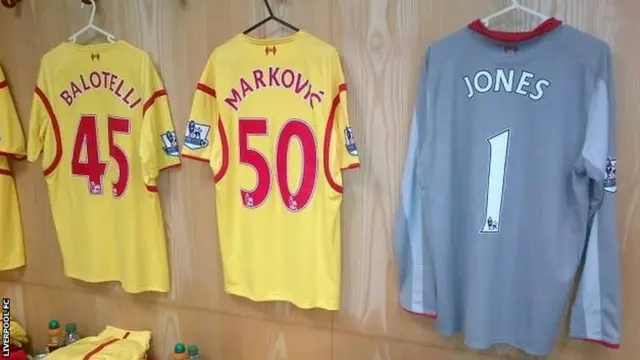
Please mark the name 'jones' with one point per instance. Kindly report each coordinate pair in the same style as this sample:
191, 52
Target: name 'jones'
484, 81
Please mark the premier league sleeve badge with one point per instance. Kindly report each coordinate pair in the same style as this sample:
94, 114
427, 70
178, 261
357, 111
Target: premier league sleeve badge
610, 182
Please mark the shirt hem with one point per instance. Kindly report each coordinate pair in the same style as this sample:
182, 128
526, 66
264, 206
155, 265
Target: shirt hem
607, 344
305, 305
12, 265
127, 289
427, 314
497, 342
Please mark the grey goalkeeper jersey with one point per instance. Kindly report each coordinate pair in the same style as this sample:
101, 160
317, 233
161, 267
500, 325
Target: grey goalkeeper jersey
509, 186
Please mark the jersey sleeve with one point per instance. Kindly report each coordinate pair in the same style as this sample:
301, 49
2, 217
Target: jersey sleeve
11, 135
43, 136
595, 313
341, 151
159, 145
415, 262
203, 140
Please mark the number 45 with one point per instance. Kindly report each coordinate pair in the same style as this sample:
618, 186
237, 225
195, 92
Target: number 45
93, 168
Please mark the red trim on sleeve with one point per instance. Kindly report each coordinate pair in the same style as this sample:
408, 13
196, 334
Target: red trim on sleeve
428, 316
170, 167
191, 157
12, 155
99, 348
206, 89
225, 153
154, 188
56, 131
152, 99
352, 166
603, 343
4, 84
6, 172
327, 140
513, 37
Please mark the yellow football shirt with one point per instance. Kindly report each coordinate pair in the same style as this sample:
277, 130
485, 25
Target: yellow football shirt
270, 118
100, 117
11, 145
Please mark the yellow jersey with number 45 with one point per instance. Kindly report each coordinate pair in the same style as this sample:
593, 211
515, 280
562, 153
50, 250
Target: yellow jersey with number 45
270, 118
11, 146
100, 118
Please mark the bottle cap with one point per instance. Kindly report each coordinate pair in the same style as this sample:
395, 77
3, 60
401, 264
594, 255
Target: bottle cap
193, 350
179, 348
71, 327
54, 324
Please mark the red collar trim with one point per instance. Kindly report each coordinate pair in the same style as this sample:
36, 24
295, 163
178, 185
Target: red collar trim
513, 37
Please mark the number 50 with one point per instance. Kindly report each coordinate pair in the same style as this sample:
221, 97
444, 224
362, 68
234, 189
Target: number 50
293, 128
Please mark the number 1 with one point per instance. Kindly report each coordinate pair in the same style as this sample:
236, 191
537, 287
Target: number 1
498, 153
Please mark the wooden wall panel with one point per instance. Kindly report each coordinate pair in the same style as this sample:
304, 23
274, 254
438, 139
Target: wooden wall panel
382, 43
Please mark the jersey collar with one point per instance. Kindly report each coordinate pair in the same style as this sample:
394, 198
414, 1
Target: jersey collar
513, 37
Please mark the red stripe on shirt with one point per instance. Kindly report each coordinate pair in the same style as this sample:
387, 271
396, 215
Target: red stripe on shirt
154, 188
152, 99
99, 348
56, 131
194, 158
170, 166
225, 153
4, 84
206, 89
13, 155
327, 139
351, 166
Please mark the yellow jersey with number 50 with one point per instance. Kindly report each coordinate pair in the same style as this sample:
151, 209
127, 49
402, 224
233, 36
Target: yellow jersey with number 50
270, 118
100, 118
11, 146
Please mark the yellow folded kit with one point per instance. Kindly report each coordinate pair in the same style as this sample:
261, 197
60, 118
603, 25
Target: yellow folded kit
111, 344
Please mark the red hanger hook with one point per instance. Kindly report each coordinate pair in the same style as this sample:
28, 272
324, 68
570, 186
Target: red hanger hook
10, 3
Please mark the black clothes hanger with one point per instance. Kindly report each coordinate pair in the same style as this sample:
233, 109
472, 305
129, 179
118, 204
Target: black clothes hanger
270, 17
